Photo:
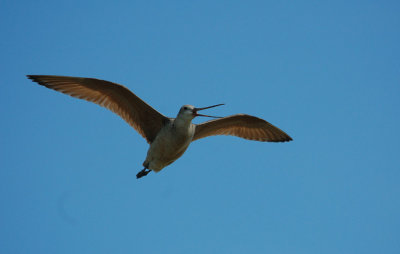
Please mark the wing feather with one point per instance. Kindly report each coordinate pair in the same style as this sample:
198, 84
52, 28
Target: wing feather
243, 126
117, 98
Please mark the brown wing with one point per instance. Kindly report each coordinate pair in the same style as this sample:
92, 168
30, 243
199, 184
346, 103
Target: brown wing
241, 125
146, 120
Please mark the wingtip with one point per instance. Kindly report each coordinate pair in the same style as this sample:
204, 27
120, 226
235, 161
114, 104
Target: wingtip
32, 77
287, 139
35, 79
284, 139
38, 79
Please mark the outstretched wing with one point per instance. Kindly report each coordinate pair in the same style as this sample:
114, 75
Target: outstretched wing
241, 125
143, 118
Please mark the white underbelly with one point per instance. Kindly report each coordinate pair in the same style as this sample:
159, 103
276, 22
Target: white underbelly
165, 149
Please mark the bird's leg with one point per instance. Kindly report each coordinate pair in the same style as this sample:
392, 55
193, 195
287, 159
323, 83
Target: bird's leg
142, 173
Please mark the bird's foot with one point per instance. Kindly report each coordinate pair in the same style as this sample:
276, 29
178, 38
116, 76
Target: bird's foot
142, 173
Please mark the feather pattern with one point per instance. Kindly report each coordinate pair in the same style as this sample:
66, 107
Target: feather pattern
117, 98
243, 126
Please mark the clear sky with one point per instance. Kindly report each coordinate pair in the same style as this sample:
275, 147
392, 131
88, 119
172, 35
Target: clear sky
326, 72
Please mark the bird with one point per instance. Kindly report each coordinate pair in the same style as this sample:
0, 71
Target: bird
168, 137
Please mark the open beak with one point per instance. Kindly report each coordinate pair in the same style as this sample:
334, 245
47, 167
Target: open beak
198, 109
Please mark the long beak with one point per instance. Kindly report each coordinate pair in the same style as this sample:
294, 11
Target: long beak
198, 109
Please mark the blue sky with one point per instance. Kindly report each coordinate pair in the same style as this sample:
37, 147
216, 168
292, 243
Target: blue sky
326, 72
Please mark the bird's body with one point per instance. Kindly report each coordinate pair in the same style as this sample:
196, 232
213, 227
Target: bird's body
170, 144
168, 137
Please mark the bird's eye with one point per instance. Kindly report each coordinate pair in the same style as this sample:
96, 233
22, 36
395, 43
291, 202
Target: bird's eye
185, 108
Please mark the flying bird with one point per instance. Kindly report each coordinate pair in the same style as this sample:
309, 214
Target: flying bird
168, 137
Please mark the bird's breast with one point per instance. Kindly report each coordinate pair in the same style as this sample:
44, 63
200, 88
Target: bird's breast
168, 146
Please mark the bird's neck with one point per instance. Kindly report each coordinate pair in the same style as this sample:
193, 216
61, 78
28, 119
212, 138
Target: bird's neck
182, 123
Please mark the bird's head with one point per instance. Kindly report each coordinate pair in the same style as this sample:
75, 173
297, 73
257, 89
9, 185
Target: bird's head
190, 112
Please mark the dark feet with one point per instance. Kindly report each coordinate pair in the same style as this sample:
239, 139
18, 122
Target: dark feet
142, 173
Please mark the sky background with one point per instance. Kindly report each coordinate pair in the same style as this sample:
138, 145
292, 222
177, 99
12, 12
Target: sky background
326, 72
